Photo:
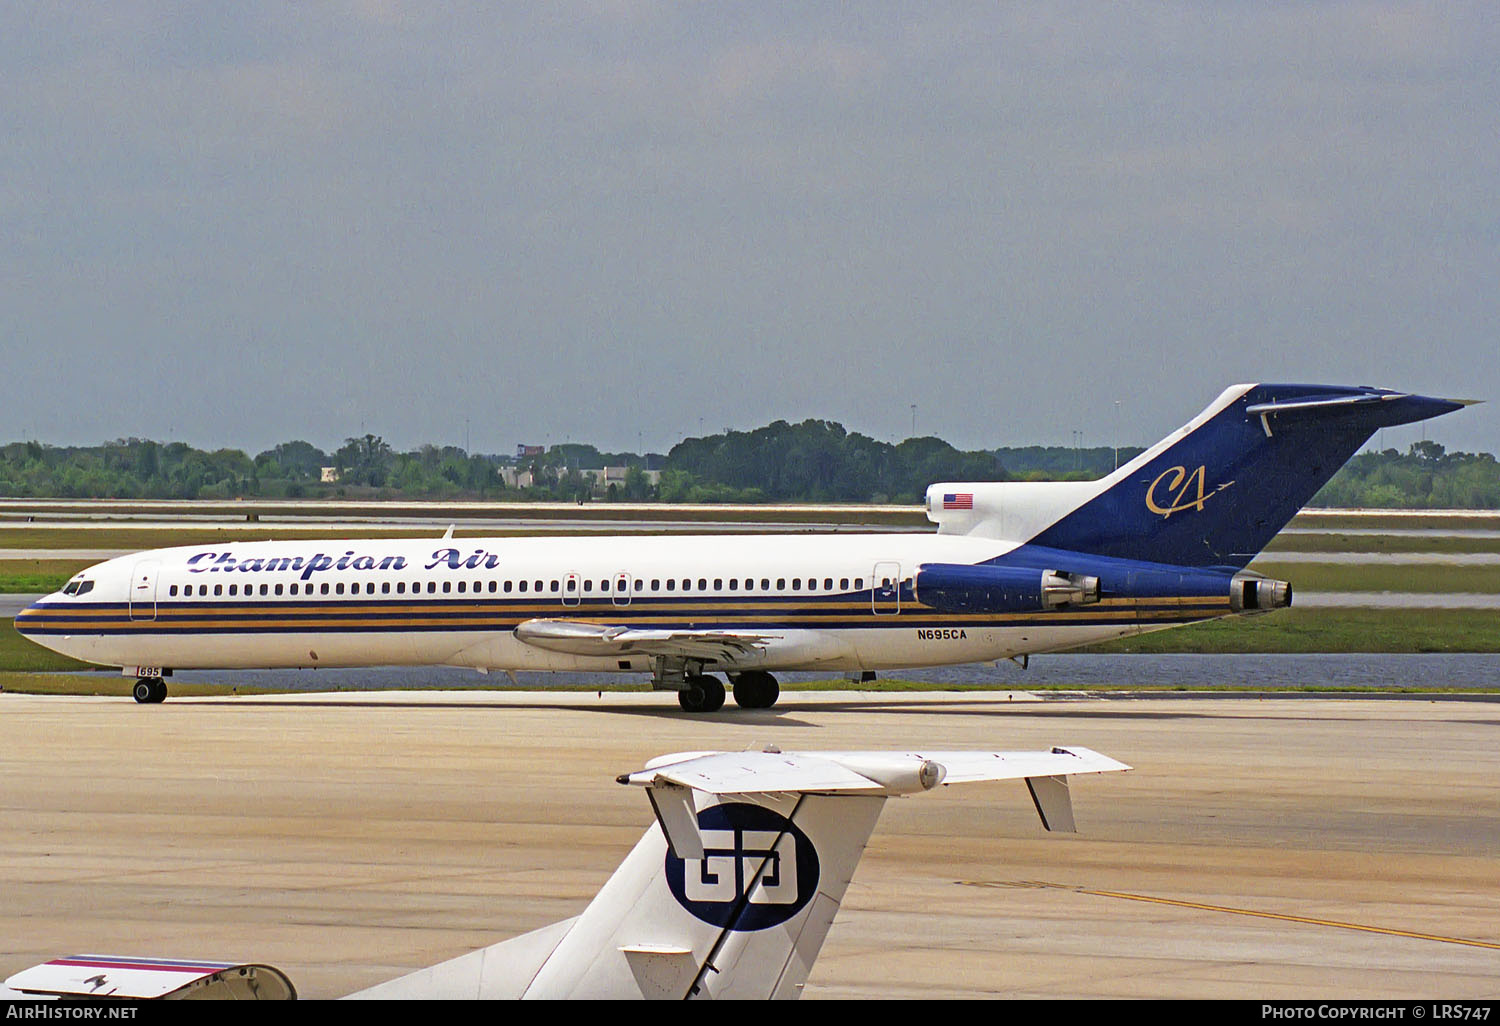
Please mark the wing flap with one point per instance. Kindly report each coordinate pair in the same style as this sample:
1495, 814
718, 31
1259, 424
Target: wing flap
578, 637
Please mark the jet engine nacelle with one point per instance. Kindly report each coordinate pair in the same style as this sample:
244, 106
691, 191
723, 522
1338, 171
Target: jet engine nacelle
964, 588
1252, 593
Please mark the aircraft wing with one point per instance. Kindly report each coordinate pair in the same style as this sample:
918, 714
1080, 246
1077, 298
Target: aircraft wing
580, 637
112, 977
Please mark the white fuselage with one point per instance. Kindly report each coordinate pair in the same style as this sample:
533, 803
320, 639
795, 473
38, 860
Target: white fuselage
839, 602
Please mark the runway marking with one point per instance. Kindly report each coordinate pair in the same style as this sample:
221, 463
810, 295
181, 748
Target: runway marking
1307, 920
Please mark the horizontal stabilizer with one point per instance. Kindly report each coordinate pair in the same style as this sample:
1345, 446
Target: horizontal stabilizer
885, 773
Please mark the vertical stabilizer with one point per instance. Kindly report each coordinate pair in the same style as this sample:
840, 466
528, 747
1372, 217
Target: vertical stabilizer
1211, 494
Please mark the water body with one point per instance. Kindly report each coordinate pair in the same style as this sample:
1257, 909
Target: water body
1478, 672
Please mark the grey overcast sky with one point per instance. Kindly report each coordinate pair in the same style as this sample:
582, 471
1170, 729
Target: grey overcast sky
238, 224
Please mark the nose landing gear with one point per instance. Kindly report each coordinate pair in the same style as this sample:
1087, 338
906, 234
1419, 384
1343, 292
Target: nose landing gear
150, 690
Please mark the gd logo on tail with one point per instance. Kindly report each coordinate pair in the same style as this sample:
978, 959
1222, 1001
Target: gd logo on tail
757, 871
1186, 491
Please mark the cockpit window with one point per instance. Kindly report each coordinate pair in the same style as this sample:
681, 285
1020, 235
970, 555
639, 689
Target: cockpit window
78, 587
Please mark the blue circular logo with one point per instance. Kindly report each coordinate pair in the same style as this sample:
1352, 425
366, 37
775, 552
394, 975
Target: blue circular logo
758, 870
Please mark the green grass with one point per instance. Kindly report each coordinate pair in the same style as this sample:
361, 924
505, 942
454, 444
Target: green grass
1427, 578
1303, 631
29, 576
109, 684
19, 655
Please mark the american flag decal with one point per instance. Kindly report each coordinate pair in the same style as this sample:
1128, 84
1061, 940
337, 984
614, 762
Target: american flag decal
959, 500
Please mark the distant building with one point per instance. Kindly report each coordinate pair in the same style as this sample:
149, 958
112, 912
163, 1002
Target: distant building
603, 477
330, 475
526, 452
515, 477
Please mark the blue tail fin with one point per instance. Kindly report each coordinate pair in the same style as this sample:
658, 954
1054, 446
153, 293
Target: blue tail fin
1214, 493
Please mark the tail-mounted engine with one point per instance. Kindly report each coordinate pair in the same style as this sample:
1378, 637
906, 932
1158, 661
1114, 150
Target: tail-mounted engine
963, 588
1252, 593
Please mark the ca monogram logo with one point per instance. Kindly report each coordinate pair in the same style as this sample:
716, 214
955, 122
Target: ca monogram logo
1183, 490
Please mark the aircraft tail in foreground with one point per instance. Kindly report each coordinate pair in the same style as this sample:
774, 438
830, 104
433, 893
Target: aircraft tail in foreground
729, 894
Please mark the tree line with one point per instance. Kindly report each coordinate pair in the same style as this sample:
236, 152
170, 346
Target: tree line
814, 461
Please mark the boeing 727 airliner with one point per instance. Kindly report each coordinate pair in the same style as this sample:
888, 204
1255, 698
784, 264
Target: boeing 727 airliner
1014, 568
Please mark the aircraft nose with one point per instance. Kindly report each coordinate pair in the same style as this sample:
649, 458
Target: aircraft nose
29, 618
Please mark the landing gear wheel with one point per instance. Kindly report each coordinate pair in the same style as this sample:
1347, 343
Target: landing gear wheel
149, 690
702, 694
756, 689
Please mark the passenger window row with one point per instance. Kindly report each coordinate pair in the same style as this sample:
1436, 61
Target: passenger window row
568, 587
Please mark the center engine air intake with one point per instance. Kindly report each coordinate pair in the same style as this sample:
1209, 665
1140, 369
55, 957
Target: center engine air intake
963, 588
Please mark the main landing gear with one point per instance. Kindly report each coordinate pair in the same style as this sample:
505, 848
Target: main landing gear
150, 690
753, 689
701, 693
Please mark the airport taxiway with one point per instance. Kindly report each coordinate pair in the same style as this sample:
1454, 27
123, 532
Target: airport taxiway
1262, 848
